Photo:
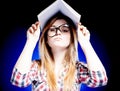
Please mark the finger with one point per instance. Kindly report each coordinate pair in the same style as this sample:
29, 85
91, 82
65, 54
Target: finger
87, 31
33, 26
31, 30
37, 28
37, 23
84, 30
80, 26
79, 29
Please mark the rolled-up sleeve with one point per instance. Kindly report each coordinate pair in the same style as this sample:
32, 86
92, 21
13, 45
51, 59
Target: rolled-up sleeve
90, 78
23, 80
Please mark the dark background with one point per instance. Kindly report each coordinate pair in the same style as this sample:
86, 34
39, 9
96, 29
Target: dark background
99, 16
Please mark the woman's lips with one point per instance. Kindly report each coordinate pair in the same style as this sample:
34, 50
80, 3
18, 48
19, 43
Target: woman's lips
58, 38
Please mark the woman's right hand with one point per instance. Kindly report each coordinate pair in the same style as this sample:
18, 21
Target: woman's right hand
33, 32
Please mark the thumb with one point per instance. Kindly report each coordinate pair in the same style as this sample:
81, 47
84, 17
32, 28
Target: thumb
79, 32
37, 24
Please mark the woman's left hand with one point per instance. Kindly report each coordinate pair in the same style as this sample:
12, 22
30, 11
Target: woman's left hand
83, 34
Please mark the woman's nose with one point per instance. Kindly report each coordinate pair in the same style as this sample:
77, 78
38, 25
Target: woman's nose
58, 31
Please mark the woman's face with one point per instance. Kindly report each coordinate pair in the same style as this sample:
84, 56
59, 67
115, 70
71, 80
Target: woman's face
59, 34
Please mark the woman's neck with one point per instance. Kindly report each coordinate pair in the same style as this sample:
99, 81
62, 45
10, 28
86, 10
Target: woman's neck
59, 55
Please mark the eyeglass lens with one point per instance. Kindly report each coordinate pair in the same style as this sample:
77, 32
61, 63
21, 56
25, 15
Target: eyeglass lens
64, 28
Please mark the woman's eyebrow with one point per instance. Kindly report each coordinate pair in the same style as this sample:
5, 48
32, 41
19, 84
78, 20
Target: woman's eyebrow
59, 25
53, 26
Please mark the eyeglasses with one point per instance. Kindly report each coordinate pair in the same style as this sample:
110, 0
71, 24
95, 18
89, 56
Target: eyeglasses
64, 29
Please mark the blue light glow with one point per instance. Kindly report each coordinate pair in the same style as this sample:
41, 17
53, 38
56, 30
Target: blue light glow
13, 46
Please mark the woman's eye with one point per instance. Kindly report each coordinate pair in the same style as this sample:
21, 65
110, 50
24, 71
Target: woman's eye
52, 29
65, 30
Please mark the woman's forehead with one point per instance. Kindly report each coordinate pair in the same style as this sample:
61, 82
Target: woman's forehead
59, 22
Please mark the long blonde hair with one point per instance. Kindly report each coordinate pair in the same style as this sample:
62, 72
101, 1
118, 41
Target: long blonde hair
71, 56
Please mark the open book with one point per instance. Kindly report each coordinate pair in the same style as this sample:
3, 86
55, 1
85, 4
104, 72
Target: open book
58, 5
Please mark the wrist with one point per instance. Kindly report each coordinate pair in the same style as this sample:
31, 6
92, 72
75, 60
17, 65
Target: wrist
85, 44
31, 43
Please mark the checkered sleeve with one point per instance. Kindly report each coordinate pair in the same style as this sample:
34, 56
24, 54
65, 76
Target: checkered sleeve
91, 78
23, 80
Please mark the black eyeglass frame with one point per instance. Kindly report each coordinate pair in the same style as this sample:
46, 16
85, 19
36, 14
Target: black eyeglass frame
59, 28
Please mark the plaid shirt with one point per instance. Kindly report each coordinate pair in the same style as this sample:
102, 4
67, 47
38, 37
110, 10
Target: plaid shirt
39, 82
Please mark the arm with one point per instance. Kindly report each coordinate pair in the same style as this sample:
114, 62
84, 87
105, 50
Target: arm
24, 61
23, 80
93, 61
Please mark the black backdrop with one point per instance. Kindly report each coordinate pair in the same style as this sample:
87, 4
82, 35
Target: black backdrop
96, 15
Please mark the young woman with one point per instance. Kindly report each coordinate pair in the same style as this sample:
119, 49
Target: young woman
58, 68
